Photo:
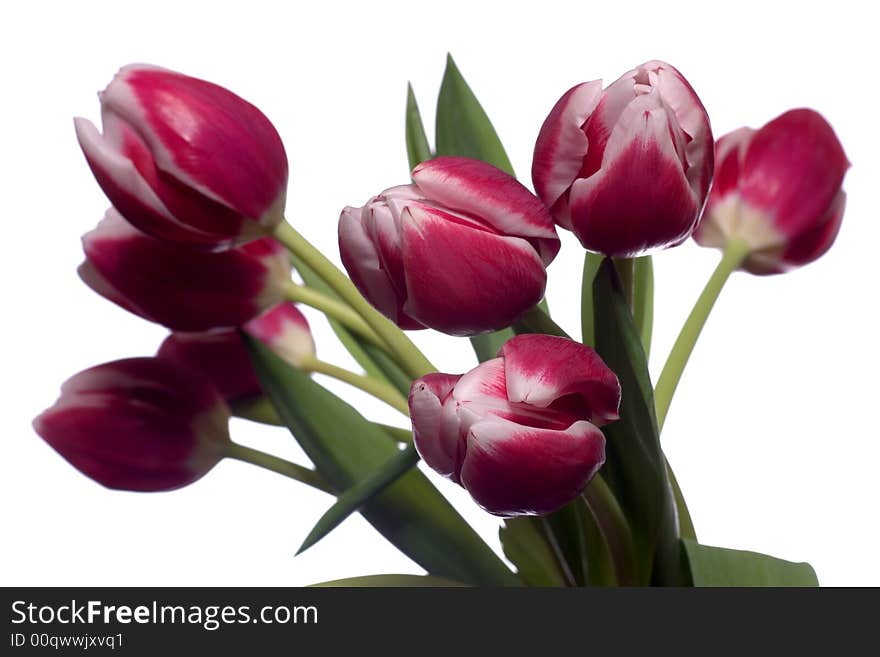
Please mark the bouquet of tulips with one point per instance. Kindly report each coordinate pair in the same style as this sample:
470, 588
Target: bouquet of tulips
557, 435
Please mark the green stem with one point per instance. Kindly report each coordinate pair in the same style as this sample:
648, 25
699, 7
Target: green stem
685, 523
408, 355
615, 528
378, 389
275, 464
333, 309
734, 254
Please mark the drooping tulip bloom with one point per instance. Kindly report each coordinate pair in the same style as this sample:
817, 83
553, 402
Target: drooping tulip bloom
778, 190
626, 168
519, 432
185, 160
140, 424
221, 355
463, 250
180, 288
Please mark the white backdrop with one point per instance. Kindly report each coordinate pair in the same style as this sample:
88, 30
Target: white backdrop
772, 433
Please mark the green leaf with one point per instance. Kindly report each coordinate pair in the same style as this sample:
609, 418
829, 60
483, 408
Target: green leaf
486, 346
361, 493
537, 320
591, 266
376, 363
714, 566
635, 467
346, 449
528, 547
567, 530
462, 125
643, 300
395, 581
417, 148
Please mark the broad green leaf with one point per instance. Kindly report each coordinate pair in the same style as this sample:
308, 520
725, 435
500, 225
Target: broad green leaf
375, 362
714, 566
361, 493
417, 148
643, 300
462, 125
528, 547
346, 449
390, 581
591, 266
635, 467
567, 529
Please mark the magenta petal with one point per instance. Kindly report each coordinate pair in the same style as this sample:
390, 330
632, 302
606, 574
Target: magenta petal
463, 281
562, 144
285, 330
513, 470
542, 369
793, 170
640, 199
435, 433
180, 288
220, 356
206, 137
144, 424
484, 191
361, 259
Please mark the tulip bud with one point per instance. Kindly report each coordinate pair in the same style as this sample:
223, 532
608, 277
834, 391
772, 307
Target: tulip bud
180, 288
221, 355
777, 189
140, 424
185, 160
519, 432
463, 250
628, 168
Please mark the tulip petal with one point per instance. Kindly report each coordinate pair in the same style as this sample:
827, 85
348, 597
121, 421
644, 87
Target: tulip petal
183, 289
482, 190
362, 261
142, 424
435, 430
800, 147
640, 199
129, 191
206, 137
464, 281
543, 369
286, 331
512, 470
562, 144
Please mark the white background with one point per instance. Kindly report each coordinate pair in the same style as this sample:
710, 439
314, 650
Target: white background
773, 432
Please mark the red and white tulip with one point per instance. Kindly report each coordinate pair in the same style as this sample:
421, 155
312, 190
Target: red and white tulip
140, 424
626, 168
462, 250
778, 189
221, 355
183, 289
186, 160
519, 432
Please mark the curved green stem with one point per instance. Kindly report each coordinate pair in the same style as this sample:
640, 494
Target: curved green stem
275, 464
378, 389
734, 254
408, 355
333, 309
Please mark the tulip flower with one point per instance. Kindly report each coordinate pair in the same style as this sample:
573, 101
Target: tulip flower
140, 424
185, 160
221, 355
778, 191
463, 250
519, 432
183, 289
626, 168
